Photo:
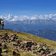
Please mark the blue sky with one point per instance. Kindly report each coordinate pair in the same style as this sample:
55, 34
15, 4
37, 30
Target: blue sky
27, 7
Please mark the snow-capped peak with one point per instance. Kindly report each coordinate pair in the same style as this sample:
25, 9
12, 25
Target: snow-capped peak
26, 18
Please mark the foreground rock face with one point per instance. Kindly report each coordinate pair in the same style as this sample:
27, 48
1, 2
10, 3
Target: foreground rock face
12, 45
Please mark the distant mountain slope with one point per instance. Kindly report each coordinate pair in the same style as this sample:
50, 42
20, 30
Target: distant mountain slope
42, 29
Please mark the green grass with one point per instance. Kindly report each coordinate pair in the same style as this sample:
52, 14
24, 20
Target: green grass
27, 36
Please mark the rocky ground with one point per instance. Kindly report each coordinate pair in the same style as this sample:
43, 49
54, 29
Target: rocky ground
21, 44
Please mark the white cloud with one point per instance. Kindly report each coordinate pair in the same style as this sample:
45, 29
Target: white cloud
46, 16
25, 17
41, 17
34, 17
50, 15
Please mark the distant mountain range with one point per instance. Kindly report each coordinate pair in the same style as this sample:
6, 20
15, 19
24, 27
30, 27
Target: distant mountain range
51, 18
46, 30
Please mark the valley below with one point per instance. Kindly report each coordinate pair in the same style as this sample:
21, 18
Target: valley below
42, 29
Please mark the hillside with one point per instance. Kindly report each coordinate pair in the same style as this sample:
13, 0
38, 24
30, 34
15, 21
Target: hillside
24, 37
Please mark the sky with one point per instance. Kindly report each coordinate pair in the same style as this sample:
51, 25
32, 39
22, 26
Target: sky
27, 7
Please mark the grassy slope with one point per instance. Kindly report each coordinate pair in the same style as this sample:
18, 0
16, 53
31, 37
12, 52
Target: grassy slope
25, 36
